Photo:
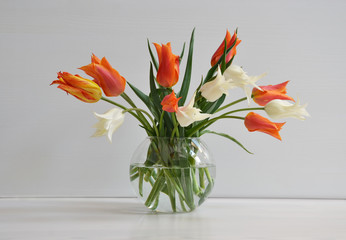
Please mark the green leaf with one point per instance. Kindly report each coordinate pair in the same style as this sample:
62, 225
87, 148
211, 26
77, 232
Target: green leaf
223, 61
187, 77
153, 59
229, 63
154, 95
182, 53
211, 107
227, 136
210, 74
142, 96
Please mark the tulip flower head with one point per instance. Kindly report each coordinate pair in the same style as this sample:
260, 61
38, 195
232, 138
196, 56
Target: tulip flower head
108, 123
269, 93
83, 89
214, 89
170, 102
278, 109
168, 72
229, 42
189, 114
240, 79
255, 122
109, 79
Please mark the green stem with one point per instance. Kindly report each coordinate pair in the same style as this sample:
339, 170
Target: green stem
140, 182
241, 110
194, 182
182, 204
114, 103
175, 183
144, 123
208, 123
218, 118
146, 113
211, 181
161, 131
159, 184
231, 104
140, 115
176, 125
201, 178
171, 194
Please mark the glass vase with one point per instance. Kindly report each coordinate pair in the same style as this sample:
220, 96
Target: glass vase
172, 174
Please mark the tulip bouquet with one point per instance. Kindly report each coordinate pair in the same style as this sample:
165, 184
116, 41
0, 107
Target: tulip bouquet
169, 116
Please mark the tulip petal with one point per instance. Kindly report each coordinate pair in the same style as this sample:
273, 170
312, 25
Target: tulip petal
111, 82
214, 89
269, 93
108, 123
170, 102
255, 122
229, 42
168, 72
81, 88
187, 115
277, 109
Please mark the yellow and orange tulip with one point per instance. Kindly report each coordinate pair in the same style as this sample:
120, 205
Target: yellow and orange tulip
168, 72
170, 103
270, 93
83, 89
255, 122
109, 79
229, 42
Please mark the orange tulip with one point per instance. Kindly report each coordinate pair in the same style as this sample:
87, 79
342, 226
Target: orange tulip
168, 72
170, 102
270, 93
83, 89
255, 122
109, 79
229, 42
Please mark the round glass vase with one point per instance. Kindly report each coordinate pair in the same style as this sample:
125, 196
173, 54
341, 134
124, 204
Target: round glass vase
172, 174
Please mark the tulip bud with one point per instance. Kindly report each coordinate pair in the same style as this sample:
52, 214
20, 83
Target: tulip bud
170, 102
269, 93
255, 122
83, 89
109, 122
168, 72
111, 82
278, 109
229, 42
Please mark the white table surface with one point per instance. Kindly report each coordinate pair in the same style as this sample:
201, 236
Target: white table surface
126, 218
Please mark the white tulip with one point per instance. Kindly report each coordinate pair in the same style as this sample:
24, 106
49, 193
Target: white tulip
189, 114
214, 89
108, 122
278, 109
240, 79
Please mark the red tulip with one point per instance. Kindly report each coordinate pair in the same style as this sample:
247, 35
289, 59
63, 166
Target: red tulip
255, 122
111, 82
168, 72
170, 102
83, 89
229, 42
270, 93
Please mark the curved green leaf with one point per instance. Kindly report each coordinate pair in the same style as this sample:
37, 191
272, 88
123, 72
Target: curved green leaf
153, 59
187, 77
227, 136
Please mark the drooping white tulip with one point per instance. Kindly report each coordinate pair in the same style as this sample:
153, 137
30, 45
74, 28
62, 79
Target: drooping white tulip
240, 79
214, 89
278, 109
189, 114
108, 122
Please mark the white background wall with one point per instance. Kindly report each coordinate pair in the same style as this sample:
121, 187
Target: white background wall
45, 148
